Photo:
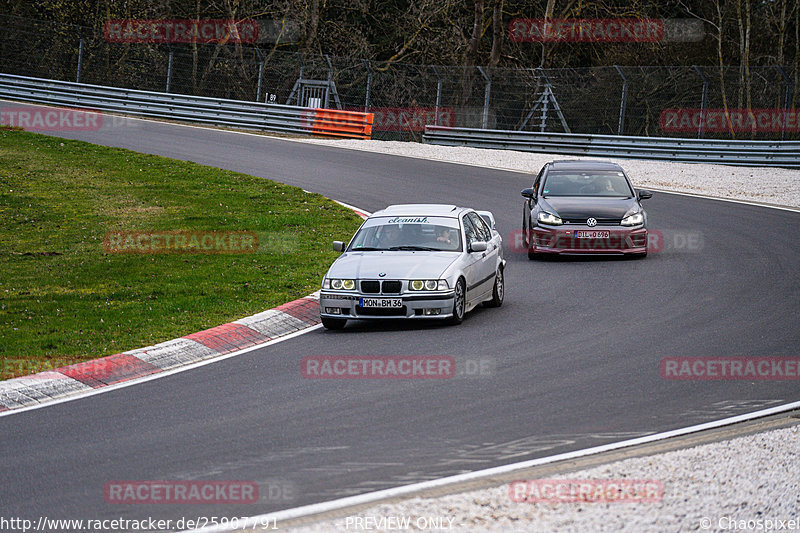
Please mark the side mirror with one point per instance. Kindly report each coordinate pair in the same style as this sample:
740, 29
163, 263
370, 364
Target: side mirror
529, 194
644, 194
338, 246
477, 246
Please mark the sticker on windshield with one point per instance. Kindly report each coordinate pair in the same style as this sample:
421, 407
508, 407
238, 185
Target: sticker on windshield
412, 220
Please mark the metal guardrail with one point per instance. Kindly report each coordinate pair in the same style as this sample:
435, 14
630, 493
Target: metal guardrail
197, 109
740, 153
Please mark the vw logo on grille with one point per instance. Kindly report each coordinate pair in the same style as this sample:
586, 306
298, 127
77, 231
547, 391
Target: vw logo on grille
382, 274
591, 222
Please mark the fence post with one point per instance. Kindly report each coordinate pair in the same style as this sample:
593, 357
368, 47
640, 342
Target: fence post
438, 94
80, 55
260, 72
703, 101
169, 69
487, 94
789, 89
623, 101
369, 85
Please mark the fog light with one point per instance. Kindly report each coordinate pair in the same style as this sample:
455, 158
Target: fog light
333, 310
435, 311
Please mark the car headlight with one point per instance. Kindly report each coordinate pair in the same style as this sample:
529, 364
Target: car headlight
427, 285
339, 284
549, 218
633, 220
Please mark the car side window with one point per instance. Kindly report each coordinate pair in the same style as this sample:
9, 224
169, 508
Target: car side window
469, 230
481, 229
538, 180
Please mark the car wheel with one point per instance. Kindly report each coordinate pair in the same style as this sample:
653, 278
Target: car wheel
459, 302
333, 323
526, 215
498, 293
528, 239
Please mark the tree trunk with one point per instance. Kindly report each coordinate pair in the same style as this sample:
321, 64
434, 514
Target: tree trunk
497, 33
548, 14
475, 38
720, 27
313, 25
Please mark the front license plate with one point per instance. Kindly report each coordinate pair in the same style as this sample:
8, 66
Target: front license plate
380, 302
592, 234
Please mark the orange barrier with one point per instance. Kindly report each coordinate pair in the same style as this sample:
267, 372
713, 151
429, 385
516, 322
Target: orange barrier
342, 123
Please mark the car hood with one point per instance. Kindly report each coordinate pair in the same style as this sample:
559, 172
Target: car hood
574, 207
394, 265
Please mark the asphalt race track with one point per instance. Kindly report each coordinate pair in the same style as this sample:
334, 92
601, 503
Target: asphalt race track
571, 359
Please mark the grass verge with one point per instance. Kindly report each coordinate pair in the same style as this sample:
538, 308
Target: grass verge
65, 298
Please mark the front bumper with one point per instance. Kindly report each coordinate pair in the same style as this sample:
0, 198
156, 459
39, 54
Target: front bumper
345, 304
561, 240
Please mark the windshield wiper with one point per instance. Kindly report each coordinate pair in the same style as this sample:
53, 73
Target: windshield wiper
367, 249
409, 247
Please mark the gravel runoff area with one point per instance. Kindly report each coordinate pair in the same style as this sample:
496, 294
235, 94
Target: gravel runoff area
748, 484
776, 186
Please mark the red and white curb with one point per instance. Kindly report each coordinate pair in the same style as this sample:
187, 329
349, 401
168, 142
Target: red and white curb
286, 319
207, 344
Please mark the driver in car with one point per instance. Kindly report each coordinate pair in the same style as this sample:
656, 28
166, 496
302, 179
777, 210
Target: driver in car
444, 235
390, 236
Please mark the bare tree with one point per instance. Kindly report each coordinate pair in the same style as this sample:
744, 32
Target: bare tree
498, 32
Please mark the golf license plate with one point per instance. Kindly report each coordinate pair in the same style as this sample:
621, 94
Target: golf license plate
591, 234
380, 302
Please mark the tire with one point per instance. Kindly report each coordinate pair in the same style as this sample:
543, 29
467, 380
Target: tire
499, 290
528, 239
333, 323
459, 303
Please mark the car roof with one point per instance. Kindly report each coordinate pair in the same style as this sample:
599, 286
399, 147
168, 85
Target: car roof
416, 210
583, 164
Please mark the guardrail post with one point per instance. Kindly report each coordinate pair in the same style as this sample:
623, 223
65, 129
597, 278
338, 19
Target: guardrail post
369, 84
789, 89
438, 95
487, 94
260, 72
623, 100
169, 69
80, 55
703, 101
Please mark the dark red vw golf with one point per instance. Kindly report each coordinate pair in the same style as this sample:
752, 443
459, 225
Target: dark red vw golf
584, 207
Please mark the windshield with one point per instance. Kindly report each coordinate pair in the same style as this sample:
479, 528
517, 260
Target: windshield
586, 183
408, 233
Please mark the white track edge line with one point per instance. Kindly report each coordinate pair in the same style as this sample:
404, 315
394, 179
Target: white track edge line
403, 490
